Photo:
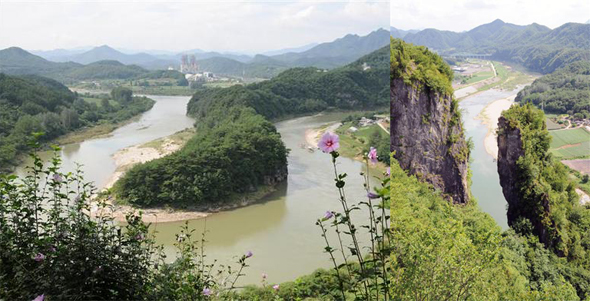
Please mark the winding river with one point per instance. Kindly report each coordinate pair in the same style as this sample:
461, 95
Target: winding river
280, 230
486, 181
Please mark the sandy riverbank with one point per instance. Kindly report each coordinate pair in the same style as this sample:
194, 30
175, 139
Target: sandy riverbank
489, 116
130, 156
312, 136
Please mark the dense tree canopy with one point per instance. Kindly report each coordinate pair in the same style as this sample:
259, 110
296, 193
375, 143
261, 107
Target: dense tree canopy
565, 91
31, 104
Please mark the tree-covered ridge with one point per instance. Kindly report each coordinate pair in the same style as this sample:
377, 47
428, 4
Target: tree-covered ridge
360, 85
534, 46
236, 156
565, 91
36, 104
546, 195
232, 125
418, 65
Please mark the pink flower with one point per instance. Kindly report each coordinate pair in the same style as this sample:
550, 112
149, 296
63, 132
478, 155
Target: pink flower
388, 171
372, 195
39, 257
40, 298
328, 215
248, 254
275, 287
57, 178
206, 292
329, 142
372, 155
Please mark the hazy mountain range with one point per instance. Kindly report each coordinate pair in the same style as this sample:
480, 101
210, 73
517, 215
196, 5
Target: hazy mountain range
535, 46
325, 55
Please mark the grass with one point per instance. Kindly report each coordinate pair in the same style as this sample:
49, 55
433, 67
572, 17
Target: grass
551, 125
577, 139
479, 76
508, 78
357, 143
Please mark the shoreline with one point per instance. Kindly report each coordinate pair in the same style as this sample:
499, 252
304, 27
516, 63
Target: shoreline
312, 136
489, 117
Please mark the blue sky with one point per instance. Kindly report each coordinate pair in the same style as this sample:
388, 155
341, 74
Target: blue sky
460, 15
240, 26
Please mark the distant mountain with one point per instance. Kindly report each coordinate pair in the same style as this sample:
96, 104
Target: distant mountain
16, 61
400, 33
287, 50
534, 46
338, 52
105, 52
330, 55
56, 54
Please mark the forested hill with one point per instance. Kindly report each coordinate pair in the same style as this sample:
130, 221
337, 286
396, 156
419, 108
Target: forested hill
359, 85
565, 91
36, 104
535, 46
16, 61
234, 124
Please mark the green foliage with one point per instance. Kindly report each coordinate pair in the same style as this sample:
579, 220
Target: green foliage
442, 251
565, 91
303, 90
547, 196
50, 245
122, 95
416, 65
35, 104
241, 152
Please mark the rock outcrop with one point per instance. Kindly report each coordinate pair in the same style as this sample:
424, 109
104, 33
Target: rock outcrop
427, 138
535, 209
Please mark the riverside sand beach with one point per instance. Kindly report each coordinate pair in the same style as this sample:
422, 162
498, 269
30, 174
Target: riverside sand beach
489, 116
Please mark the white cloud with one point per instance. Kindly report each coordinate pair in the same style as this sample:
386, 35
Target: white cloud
460, 15
225, 25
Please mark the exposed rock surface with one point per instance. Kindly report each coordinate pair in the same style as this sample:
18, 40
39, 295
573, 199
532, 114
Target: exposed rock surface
427, 137
510, 149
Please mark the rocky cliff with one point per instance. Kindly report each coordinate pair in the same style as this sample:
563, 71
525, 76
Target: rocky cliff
427, 137
523, 204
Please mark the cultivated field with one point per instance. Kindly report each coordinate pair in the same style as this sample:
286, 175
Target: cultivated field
571, 143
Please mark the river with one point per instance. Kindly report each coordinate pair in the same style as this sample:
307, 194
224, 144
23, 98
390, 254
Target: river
486, 181
167, 117
280, 230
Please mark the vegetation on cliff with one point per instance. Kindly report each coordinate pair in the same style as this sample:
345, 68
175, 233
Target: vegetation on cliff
426, 128
36, 104
565, 91
546, 193
416, 65
543, 204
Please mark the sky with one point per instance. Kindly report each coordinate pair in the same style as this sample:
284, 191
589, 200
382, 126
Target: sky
233, 26
462, 15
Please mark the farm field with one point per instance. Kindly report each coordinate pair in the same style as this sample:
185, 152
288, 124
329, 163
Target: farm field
571, 143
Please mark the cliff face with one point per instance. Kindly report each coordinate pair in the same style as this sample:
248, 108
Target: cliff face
427, 137
510, 149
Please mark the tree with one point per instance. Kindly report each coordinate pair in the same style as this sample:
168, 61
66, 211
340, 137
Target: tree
122, 95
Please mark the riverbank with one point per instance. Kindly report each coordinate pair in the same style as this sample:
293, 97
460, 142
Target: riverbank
93, 132
489, 117
130, 156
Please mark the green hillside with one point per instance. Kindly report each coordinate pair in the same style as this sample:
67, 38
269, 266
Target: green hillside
36, 104
565, 91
